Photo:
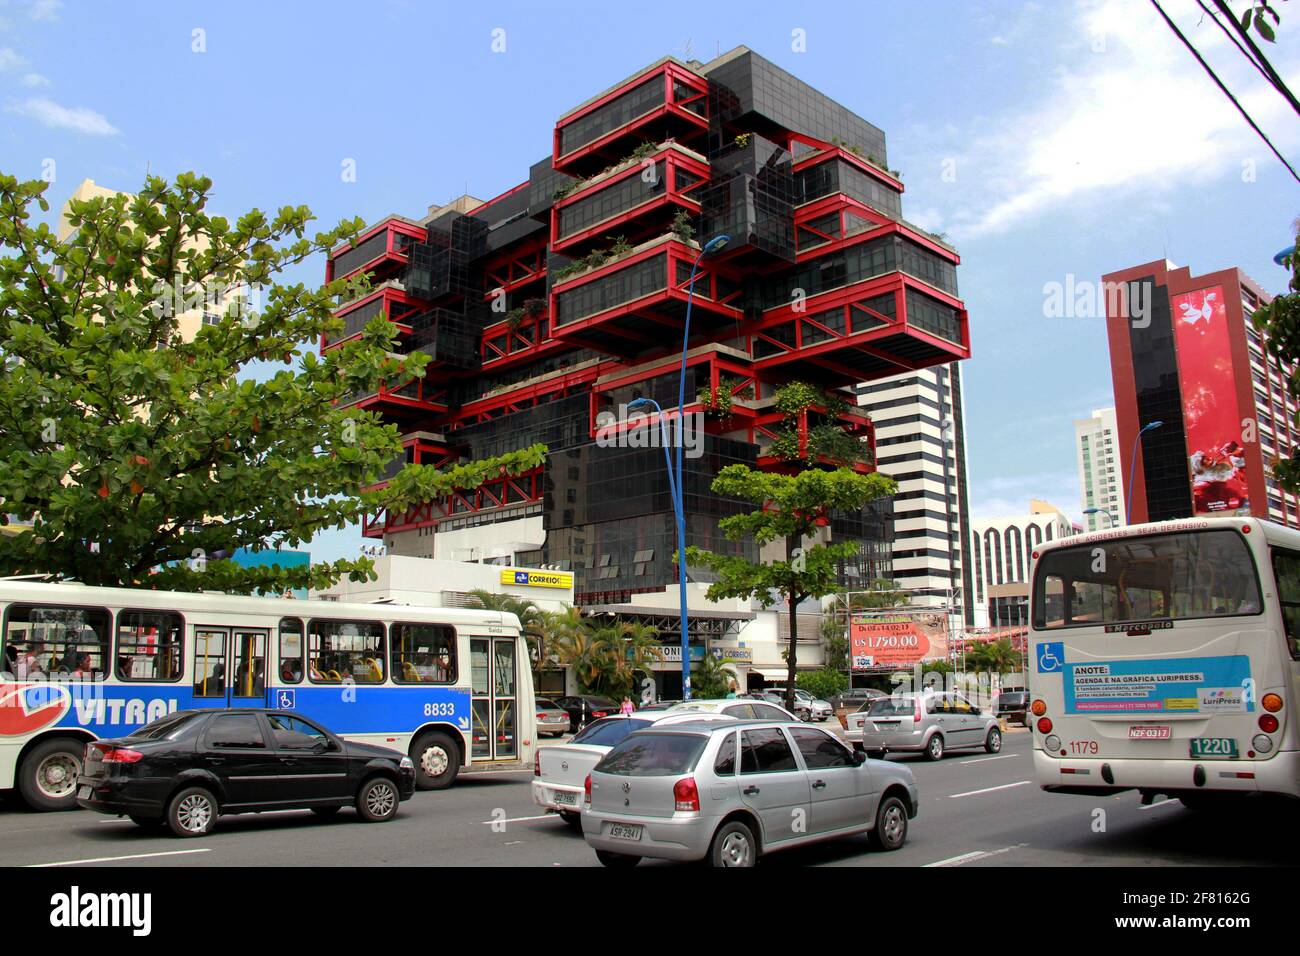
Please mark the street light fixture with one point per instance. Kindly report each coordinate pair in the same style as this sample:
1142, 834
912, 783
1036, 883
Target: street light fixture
1132, 468
1110, 518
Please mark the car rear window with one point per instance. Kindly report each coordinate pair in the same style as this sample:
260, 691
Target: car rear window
163, 726
890, 707
609, 731
654, 755
544, 704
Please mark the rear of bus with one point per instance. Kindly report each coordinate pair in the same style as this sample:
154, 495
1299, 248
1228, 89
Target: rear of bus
1163, 658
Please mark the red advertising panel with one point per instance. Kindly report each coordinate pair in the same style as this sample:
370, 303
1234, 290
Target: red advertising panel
897, 640
1211, 417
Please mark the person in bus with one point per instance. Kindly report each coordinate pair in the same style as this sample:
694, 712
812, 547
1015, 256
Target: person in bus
28, 666
83, 670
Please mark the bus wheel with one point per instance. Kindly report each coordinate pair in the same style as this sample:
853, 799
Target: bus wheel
48, 776
437, 761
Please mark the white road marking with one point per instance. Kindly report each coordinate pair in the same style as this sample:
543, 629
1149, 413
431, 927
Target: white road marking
111, 859
974, 855
984, 759
113, 821
542, 816
975, 793
1158, 803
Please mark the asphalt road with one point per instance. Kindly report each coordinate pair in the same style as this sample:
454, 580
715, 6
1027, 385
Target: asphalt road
976, 811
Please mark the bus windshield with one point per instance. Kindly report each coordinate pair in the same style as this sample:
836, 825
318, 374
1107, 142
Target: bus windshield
1153, 577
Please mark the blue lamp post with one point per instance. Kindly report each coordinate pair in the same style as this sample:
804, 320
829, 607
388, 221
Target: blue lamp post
1132, 468
1110, 518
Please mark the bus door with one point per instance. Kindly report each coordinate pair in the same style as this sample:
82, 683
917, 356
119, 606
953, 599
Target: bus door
494, 692
229, 666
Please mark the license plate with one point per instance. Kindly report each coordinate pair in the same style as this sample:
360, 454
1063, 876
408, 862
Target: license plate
83, 793
1224, 747
566, 799
625, 831
1150, 732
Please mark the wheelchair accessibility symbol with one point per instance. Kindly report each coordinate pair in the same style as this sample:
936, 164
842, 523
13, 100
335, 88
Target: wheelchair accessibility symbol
285, 699
1051, 657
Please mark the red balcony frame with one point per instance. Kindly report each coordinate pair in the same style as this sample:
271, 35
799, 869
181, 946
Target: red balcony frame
430, 400
598, 153
408, 306
826, 152
521, 265
853, 422
525, 488
391, 253
674, 160
720, 366
503, 347
428, 451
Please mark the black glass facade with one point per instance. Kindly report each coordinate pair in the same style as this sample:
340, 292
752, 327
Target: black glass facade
619, 111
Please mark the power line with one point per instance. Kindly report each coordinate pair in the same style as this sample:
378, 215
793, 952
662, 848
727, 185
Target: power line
1233, 39
1226, 92
1260, 61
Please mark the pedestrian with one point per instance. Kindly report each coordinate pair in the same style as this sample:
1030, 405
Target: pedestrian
731, 690
627, 707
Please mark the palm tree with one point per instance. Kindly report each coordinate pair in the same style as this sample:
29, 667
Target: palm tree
521, 608
588, 658
711, 676
627, 647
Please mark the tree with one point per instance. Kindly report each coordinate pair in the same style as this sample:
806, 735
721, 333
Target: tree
522, 608
879, 593
627, 647
835, 643
824, 684
792, 508
131, 449
1278, 322
712, 676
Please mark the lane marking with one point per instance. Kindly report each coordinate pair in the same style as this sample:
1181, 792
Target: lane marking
1152, 806
542, 816
974, 793
111, 859
974, 855
984, 759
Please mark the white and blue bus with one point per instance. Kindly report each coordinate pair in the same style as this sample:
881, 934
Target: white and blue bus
451, 687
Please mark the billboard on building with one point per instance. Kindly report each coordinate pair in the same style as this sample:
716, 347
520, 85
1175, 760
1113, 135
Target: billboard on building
897, 639
1212, 419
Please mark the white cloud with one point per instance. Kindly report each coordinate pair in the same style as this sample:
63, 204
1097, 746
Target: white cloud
1000, 41
56, 116
1129, 109
44, 9
34, 80
10, 59
1008, 495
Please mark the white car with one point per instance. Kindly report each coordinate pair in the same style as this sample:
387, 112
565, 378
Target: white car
560, 771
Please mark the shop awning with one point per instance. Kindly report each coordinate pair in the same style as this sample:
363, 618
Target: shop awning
770, 673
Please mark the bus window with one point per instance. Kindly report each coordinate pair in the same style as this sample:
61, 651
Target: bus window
1149, 577
150, 645
1286, 566
345, 650
43, 641
290, 650
424, 654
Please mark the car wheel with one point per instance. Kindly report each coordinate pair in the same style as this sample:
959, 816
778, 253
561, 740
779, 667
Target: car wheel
733, 846
377, 800
437, 761
993, 742
48, 779
192, 812
890, 831
572, 818
148, 823
618, 861
325, 811
934, 749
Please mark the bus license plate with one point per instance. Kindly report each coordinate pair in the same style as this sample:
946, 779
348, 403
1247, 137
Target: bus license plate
1149, 732
625, 831
1225, 747
566, 799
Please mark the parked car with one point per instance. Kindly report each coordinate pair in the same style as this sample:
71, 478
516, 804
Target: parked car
552, 719
1013, 705
927, 723
656, 706
806, 705
737, 707
801, 711
559, 771
729, 793
585, 708
186, 769
855, 697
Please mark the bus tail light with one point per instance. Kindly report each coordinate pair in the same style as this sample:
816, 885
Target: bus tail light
1038, 707
1044, 725
586, 790
1262, 744
1271, 703
1268, 723
686, 796
120, 755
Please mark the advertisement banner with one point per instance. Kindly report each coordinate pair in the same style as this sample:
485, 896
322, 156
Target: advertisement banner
897, 640
1211, 418
1184, 685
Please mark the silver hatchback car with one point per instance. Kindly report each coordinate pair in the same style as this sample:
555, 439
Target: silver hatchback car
928, 723
729, 792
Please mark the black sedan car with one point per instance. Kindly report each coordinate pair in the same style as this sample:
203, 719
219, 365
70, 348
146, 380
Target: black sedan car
585, 708
1013, 704
186, 769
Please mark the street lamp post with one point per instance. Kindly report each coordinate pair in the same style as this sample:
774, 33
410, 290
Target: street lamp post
1110, 518
1132, 468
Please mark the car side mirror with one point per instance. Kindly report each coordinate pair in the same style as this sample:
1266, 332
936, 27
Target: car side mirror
859, 757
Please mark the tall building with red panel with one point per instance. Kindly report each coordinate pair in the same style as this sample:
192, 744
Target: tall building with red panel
1184, 353
551, 307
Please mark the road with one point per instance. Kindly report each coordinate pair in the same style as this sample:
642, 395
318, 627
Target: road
976, 811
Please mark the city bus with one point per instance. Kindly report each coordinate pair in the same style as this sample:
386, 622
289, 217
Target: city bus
451, 687
1164, 658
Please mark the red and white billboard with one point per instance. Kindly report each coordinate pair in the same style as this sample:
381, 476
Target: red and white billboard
1212, 419
897, 640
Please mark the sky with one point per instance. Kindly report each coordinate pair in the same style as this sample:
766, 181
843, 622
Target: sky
1052, 142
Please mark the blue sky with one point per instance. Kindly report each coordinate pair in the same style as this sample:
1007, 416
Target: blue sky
1077, 138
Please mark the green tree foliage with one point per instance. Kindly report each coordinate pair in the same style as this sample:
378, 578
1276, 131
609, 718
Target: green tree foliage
129, 448
605, 658
1279, 324
791, 509
823, 684
712, 676
835, 643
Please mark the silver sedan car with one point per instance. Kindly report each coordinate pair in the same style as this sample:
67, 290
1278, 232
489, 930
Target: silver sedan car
730, 792
928, 723
551, 718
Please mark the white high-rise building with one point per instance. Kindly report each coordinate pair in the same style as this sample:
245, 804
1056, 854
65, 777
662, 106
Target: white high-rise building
1101, 483
921, 444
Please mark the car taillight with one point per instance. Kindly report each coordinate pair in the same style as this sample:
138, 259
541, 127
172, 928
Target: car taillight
121, 755
685, 795
600, 713
1039, 707
1271, 703
586, 789
537, 763
916, 711
1267, 723
1044, 725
